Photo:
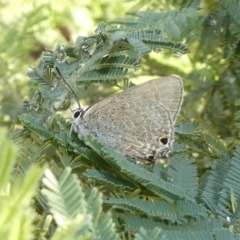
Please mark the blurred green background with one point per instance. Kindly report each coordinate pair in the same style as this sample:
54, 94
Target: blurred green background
210, 70
28, 28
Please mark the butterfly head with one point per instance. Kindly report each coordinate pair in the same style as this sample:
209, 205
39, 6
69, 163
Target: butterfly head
77, 114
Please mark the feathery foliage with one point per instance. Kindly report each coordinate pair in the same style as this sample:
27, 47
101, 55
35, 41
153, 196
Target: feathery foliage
89, 191
17, 215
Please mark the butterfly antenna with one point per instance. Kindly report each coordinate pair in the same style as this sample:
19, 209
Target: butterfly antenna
69, 88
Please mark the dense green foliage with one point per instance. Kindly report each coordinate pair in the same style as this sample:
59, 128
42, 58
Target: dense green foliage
88, 191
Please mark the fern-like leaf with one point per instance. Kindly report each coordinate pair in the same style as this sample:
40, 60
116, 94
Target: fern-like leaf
214, 185
153, 183
30, 122
161, 210
104, 177
146, 234
105, 228
66, 198
184, 175
222, 186
201, 235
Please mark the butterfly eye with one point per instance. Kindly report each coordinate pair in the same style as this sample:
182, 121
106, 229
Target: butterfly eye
163, 140
76, 114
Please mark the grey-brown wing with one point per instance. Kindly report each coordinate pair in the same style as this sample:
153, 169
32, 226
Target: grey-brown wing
138, 128
166, 90
137, 122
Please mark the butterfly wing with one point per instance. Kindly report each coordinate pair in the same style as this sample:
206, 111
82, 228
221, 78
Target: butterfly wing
166, 90
137, 122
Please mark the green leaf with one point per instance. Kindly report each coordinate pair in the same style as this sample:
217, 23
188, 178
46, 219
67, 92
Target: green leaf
161, 210
8, 154
106, 228
16, 196
222, 234
170, 235
106, 178
146, 234
153, 183
30, 122
183, 173
66, 199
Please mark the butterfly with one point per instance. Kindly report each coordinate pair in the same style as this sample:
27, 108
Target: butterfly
138, 122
